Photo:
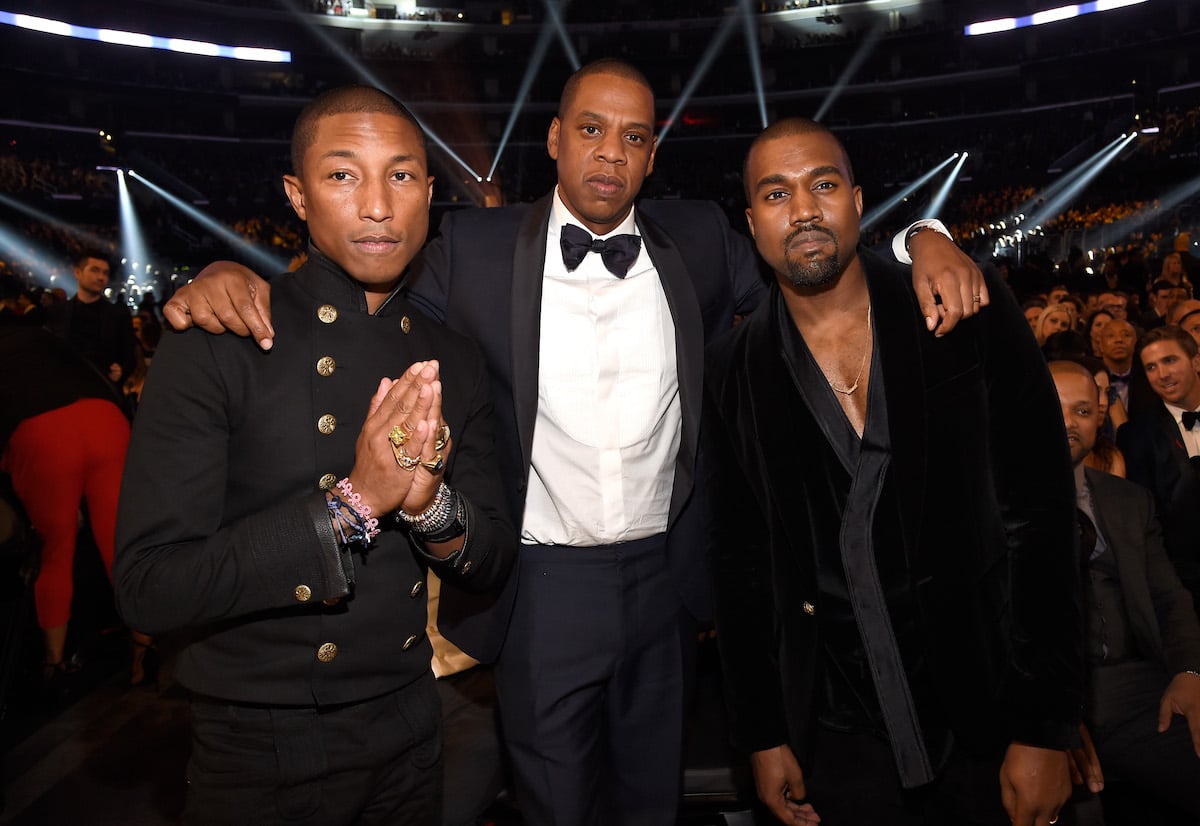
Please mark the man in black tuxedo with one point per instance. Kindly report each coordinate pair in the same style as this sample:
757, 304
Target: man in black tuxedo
1143, 641
893, 540
596, 363
1161, 444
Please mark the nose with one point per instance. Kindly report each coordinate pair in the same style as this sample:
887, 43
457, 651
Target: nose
803, 207
375, 202
611, 148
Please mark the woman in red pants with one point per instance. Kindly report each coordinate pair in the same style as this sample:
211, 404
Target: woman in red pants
66, 441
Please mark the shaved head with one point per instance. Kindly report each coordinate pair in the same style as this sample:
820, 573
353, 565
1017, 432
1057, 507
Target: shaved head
1073, 368
790, 128
605, 66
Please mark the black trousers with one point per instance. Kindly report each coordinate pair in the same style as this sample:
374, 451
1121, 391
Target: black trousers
854, 782
474, 770
591, 685
1122, 717
374, 762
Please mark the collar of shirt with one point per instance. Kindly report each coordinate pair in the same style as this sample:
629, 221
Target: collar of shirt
1191, 438
559, 215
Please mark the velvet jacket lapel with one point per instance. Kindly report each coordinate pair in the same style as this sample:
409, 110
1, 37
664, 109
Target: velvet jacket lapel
786, 429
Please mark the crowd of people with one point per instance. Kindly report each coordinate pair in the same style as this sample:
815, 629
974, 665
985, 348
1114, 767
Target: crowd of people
522, 419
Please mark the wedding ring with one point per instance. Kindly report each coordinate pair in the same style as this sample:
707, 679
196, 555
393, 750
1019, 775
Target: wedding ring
436, 465
443, 437
977, 298
397, 436
407, 462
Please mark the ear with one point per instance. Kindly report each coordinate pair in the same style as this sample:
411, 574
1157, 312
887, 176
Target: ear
653, 151
858, 201
750, 221
552, 138
295, 193
429, 200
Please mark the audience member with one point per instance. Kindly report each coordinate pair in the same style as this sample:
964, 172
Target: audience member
1162, 298
1096, 322
1055, 318
1117, 341
96, 328
1143, 640
1186, 314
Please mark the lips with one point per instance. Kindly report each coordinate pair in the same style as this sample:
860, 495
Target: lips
377, 244
605, 186
808, 239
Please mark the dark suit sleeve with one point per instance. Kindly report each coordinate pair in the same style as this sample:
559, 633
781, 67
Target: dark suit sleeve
1035, 487
177, 565
428, 282
740, 562
490, 546
1172, 602
749, 287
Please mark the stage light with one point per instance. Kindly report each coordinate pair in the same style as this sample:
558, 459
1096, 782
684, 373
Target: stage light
1051, 208
564, 37
531, 70
25, 256
117, 37
88, 239
856, 61
133, 241
748, 23
1005, 24
939, 200
263, 261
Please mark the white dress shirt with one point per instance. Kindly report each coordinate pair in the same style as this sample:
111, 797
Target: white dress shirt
609, 421
1191, 438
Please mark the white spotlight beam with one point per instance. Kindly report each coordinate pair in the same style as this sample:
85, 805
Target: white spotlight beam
1070, 177
1051, 208
873, 215
856, 62
144, 41
748, 20
133, 242
1007, 24
564, 37
88, 238
710, 54
263, 260
939, 200
23, 253
1154, 211
531, 70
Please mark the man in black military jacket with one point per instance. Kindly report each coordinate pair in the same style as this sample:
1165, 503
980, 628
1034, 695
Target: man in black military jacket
303, 617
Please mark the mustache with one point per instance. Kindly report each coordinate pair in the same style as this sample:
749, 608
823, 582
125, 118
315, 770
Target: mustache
808, 228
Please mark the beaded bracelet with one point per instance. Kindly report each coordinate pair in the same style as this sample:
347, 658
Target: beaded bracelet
438, 516
364, 527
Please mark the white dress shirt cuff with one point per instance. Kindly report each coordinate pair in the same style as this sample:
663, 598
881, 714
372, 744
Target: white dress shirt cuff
900, 245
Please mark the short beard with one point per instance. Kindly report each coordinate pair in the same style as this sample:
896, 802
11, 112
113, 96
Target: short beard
808, 273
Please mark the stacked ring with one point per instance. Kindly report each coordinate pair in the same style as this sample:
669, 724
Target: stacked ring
407, 462
436, 465
443, 437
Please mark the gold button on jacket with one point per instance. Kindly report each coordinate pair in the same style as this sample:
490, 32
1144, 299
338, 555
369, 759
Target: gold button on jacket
327, 652
303, 593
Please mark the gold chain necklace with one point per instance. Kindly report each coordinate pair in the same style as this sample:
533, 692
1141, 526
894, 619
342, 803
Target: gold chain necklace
849, 391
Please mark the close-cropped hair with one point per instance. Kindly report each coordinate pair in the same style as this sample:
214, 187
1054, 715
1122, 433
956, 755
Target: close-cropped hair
91, 252
604, 66
342, 101
789, 127
1170, 332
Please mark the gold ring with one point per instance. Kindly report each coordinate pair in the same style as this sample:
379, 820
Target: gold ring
398, 437
435, 465
1052, 822
407, 462
977, 298
443, 437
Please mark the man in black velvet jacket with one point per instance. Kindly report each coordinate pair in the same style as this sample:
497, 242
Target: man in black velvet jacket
893, 542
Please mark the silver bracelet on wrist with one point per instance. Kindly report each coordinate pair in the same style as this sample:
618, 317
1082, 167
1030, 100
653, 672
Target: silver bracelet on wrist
438, 516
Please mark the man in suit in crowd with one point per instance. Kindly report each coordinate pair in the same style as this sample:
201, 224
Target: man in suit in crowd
96, 328
299, 597
1162, 444
596, 364
893, 543
1143, 640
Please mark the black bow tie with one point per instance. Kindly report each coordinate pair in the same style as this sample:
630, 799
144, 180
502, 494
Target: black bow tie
618, 252
1189, 418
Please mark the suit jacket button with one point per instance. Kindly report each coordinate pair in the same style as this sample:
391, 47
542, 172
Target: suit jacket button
466, 568
327, 482
327, 313
417, 588
303, 593
327, 652
326, 365
327, 424
809, 608
405, 325
410, 642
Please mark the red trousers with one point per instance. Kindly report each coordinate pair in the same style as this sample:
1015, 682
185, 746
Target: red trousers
56, 459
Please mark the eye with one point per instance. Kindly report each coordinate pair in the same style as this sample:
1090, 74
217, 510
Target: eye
340, 175
825, 185
591, 130
403, 176
633, 137
775, 195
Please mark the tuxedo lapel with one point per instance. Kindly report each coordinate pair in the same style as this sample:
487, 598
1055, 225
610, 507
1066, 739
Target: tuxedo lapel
689, 350
528, 266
